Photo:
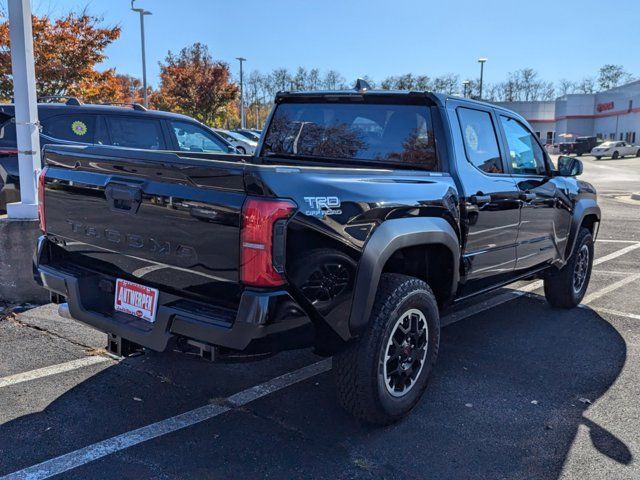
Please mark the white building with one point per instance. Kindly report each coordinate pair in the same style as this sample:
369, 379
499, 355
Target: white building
612, 114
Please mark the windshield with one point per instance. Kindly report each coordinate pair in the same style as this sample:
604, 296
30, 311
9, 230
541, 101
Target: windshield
366, 132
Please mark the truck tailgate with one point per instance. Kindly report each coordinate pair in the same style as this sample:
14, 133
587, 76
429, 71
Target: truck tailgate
156, 218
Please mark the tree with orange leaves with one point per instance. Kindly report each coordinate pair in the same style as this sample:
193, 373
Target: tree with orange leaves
66, 52
192, 83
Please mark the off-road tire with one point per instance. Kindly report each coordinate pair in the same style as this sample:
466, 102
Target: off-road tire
559, 284
358, 370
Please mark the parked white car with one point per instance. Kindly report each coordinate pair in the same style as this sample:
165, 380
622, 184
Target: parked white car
615, 149
242, 143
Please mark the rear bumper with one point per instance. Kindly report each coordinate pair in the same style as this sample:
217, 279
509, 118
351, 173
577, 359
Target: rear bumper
263, 322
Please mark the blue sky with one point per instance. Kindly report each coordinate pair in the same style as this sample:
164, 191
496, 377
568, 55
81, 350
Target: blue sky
560, 39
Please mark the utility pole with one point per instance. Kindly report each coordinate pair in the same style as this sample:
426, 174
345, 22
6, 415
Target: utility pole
481, 61
142, 12
26, 109
242, 122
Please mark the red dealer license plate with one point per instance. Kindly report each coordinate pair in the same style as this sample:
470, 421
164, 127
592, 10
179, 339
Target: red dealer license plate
136, 300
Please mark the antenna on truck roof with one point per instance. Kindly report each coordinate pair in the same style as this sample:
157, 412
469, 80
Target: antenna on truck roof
362, 85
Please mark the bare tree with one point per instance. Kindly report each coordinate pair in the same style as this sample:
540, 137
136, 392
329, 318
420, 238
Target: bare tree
333, 80
566, 87
448, 84
586, 85
313, 79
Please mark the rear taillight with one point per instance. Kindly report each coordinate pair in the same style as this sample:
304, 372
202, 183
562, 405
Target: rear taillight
43, 221
262, 241
8, 151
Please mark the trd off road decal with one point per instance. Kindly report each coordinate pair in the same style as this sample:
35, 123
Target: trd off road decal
319, 206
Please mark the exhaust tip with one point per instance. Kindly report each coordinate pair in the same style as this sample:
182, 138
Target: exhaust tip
63, 311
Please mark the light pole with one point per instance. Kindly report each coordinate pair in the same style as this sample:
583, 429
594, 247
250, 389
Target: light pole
142, 12
481, 61
26, 109
242, 124
465, 87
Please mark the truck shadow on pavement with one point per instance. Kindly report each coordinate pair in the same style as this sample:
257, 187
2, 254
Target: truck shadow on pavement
508, 395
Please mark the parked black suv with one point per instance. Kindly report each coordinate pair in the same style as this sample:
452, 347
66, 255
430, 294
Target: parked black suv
363, 215
127, 125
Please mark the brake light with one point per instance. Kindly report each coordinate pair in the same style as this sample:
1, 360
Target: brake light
41, 186
262, 241
8, 151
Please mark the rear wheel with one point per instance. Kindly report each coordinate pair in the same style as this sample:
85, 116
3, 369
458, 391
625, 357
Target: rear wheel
598, 158
565, 288
638, 153
383, 375
615, 155
242, 150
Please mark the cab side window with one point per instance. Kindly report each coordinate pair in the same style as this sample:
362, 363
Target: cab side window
525, 155
135, 132
480, 140
192, 138
74, 128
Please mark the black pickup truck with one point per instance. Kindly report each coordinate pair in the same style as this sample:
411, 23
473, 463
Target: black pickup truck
362, 215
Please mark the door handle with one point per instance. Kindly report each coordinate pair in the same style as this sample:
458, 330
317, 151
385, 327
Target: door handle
479, 199
527, 196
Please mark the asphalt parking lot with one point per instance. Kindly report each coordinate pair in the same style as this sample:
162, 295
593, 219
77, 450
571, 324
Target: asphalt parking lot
520, 391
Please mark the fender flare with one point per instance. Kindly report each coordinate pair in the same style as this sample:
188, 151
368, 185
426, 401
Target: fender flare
388, 238
583, 208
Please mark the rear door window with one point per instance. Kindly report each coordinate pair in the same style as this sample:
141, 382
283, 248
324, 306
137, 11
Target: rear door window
480, 140
135, 132
72, 128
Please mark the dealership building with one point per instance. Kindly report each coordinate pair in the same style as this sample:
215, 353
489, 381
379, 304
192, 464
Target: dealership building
611, 115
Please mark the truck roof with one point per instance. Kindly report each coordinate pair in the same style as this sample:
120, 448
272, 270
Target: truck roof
438, 99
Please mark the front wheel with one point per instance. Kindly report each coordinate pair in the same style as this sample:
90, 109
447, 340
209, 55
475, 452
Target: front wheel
565, 288
241, 150
382, 376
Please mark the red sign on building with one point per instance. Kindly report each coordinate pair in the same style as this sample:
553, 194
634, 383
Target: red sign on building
602, 107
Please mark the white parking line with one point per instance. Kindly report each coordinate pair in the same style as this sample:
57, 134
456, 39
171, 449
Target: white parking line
605, 240
610, 288
80, 457
613, 312
52, 370
616, 254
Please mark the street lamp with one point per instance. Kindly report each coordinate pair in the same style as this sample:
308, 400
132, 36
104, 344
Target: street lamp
242, 122
481, 61
465, 87
142, 12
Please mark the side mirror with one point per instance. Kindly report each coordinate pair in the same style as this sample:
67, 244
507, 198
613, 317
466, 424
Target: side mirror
569, 166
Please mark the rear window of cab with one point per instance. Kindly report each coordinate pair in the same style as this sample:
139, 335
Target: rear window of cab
363, 132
